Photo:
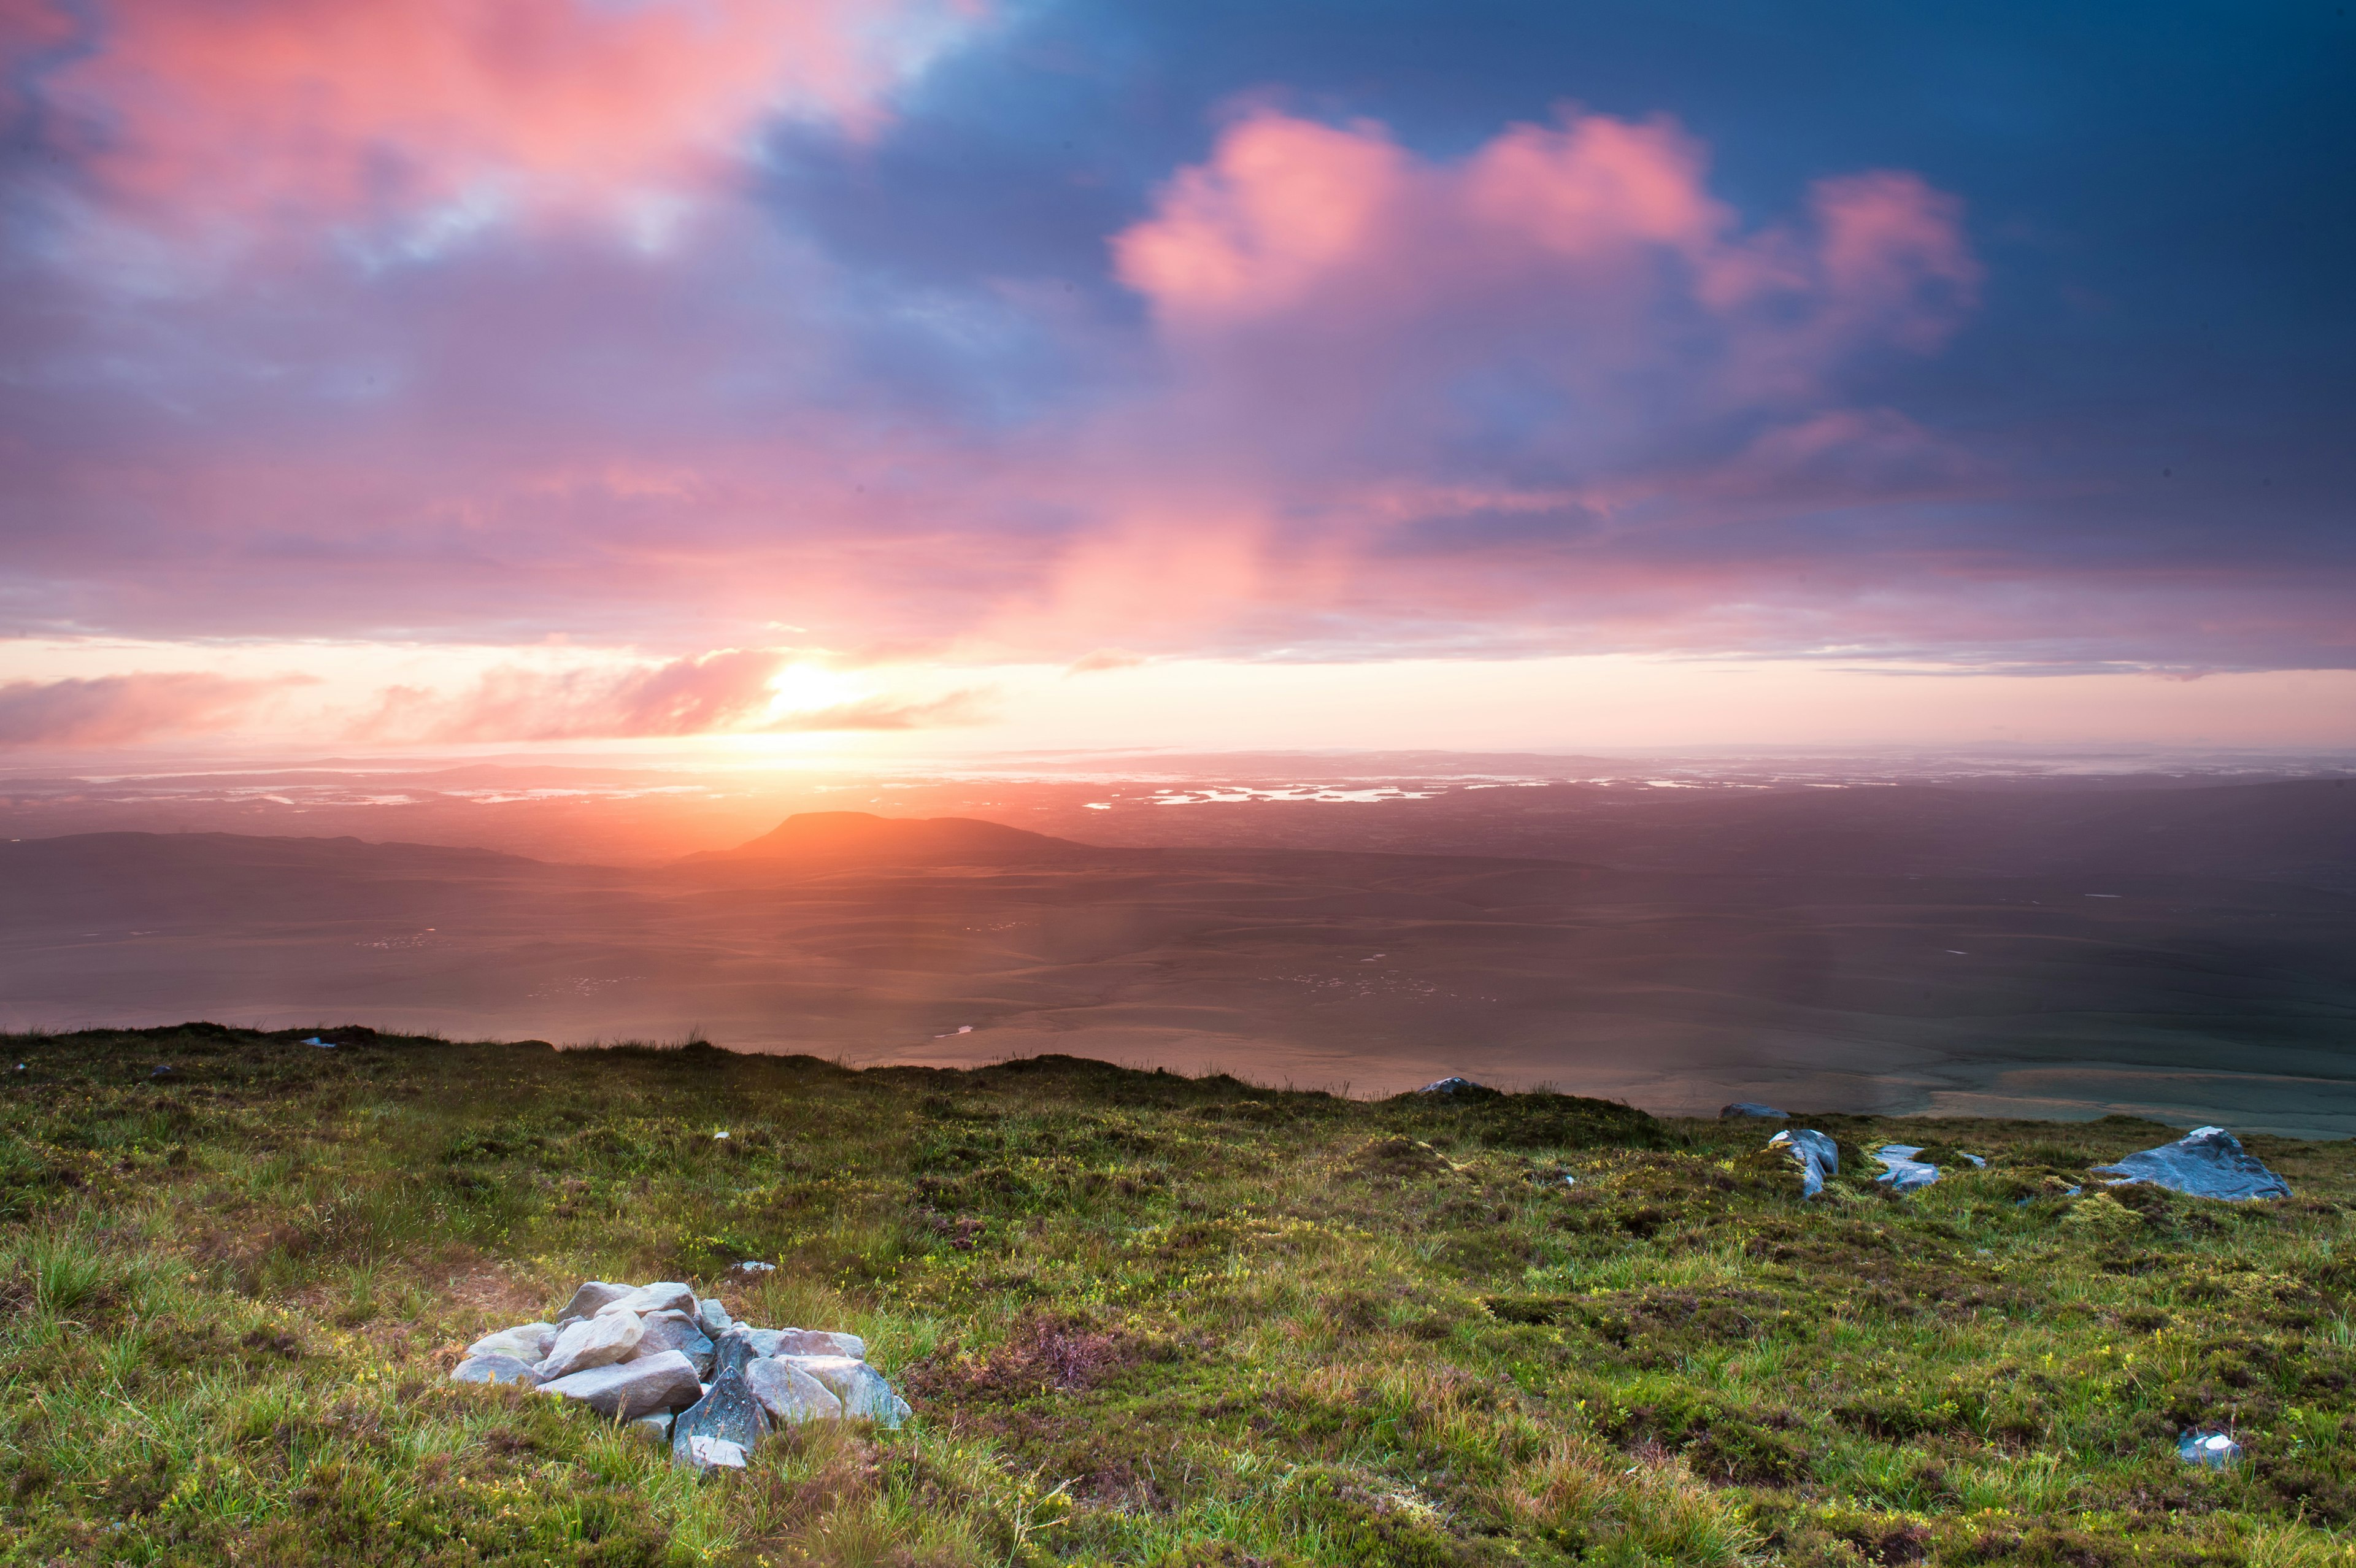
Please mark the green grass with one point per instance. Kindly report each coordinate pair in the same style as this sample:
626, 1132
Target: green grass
1143, 1318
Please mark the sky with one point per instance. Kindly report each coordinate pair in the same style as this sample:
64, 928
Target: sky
813, 375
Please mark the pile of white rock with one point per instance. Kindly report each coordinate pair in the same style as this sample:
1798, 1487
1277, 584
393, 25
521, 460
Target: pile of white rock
680, 1371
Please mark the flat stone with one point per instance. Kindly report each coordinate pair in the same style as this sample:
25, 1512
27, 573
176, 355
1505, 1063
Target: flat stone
676, 1331
666, 1297
531, 1342
714, 1453
1751, 1108
749, 1269
790, 1394
2206, 1162
1900, 1171
592, 1296
862, 1389
727, 1412
494, 1369
627, 1389
2213, 1449
591, 1343
818, 1342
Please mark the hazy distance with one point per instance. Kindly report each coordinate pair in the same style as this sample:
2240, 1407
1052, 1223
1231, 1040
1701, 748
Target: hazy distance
2068, 936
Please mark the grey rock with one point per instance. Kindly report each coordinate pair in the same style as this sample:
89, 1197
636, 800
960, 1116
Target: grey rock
2213, 1449
494, 1369
591, 1343
1453, 1085
590, 1298
818, 1342
1742, 1108
529, 1342
861, 1389
727, 1412
790, 1394
2206, 1162
731, 1351
666, 1297
749, 1269
654, 1428
676, 1331
1901, 1172
1816, 1155
627, 1389
713, 1317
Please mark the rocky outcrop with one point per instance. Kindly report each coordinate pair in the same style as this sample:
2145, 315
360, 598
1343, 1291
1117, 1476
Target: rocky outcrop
676, 1367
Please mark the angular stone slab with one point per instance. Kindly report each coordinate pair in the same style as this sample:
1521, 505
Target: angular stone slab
664, 1297
593, 1296
727, 1412
531, 1342
676, 1331
818, 1342
1900, 1171
591, 1343
2206, 1162
789, 1394
1816, 1152
494, 1369
862, 1389
627, 1389
713, 1317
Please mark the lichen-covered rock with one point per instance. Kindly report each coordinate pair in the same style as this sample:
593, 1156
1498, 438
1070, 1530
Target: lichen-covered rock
2207, 1162
739, 1345
592, 1299
529, 1343
727, 1412
626, 1390
676, 1331
862, 1389
664, 1296
494, 1368
790, 1394
591, 1343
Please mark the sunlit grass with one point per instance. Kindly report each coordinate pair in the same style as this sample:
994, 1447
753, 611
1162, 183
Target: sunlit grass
1143, 1319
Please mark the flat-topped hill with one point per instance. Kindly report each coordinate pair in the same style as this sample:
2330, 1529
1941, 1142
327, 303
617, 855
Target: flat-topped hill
862, 838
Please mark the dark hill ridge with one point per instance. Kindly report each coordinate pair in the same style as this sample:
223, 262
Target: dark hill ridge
863, 837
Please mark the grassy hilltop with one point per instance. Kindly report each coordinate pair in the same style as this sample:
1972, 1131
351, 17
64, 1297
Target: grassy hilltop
1143, 1318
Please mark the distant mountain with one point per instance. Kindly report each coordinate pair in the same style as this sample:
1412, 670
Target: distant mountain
862, 838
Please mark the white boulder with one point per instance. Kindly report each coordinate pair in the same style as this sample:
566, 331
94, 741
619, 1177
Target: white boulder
664, 1297
597, 1341
529, 1342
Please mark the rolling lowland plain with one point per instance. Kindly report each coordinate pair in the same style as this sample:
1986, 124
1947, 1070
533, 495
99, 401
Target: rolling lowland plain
1149, 1316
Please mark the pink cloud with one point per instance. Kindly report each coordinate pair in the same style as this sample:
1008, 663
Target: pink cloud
726, 691
119, 710
262, 111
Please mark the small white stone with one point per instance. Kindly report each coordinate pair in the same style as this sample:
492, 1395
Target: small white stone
716, 1452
